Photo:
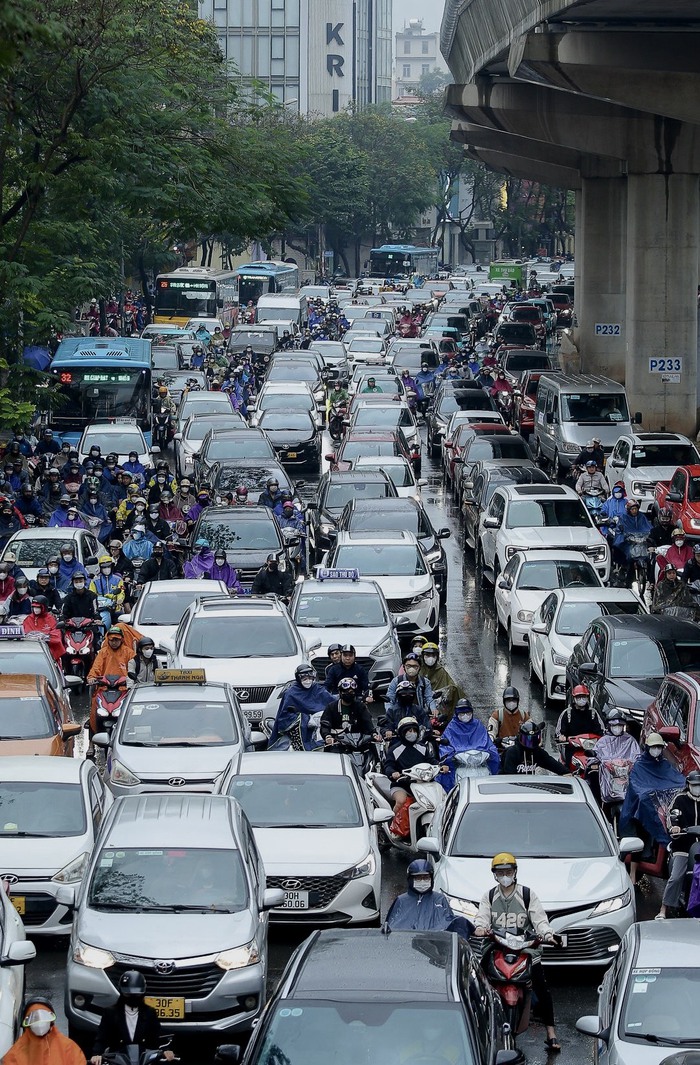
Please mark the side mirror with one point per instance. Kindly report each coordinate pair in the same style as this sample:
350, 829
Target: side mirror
65, 895
631, 845
443, 534
617, 464
540, 629
71, 681
448, 443
422, 483
19, 953
155, 449
256, 737
638, 418
428, 845
330, 457
177, 436
229, 1052
674, 497
71, 729
197, 455
272, 897
671, 734
124, 617
589, 669
167, 644
380, 816
101, 739
491, 522
591, 1026
313, 643
504, 583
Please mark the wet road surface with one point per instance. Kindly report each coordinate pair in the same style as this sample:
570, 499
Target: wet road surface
477, 657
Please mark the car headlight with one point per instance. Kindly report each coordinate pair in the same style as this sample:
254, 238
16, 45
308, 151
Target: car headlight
510, 551
121, 775
386, 647
73, 872
637, 488
418, 600
463, 907
611, 905
524, 615
239, 957
559, 660
364, 868
599, 554
93, 957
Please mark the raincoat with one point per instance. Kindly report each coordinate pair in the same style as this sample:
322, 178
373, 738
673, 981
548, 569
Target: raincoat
45, 623
66, 571
653, 784
465, 736
200, 565
676, 598
97, 512
229, 576
440, 680
420, 913
142, 548
609, 748
54, 1048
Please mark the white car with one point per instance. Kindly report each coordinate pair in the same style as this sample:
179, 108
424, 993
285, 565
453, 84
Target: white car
200, 402
57, 806
121, 437
567, 855
161, 604
168, 332
398, 565
15, 950
33, 548
316, 834
398, 469
526, 582
209, 323
188, 441
641, 460
560, 622
537, 517
348, 611
286, 395
251, 644
367, 349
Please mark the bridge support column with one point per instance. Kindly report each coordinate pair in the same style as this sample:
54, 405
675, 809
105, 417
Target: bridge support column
600, 257
663, 236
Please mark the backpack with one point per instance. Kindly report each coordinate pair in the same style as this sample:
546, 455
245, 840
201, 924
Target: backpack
526, 897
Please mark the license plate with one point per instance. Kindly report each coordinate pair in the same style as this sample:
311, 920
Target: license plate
168, 1009
296, 900
291, 454
20, 904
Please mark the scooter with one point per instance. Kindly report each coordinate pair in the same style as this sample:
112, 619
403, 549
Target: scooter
161, 428
133, 1055
428, 797
582, 761
336, 422
507, 963
110, 692
470, 764
80, 647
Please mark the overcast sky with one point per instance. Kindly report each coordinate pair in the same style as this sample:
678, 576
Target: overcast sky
429, 10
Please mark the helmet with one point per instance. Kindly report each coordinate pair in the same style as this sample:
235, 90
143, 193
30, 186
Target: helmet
145, 641
411, 656
201, 541
40, 600
670, 568
162, 391
114, 630
616, 717
132, 982
591, 462
463, 704
242, 491
348, 649
347, 686
511, 694
632, 503
405, 724
43, 572
270, 481
304, 670
106, 560
654, 740
430, 649
420, 867
580, 690
405, 691
693, 777
530, 734
503, 858
665, 515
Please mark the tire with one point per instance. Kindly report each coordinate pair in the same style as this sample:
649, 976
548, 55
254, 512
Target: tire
641, 578
480, 568
539, 455
557, 473
513, 648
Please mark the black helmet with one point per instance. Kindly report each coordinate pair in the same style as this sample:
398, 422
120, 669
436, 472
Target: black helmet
132, 984
304, 670
145, 641
693, 777
616, 716
405, 692
530, 734
511, 694
41, 601
333, 648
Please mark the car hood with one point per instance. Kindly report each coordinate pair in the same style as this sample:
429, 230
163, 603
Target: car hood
280, 437
165, 935
528, 600
403, 587
557, 882
158, 632
311, 852
652, 473
552, 538
167, 762
41, 857
363, 640
563, 645
636, 694
248, 672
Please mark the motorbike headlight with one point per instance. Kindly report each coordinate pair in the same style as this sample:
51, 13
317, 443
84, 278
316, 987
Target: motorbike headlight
364, 868
121, 775
559, 660
611, 905
386, 647
464, 907
93, 957
73, 872
239, 957
524, 615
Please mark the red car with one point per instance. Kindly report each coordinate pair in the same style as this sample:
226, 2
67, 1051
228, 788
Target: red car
531, 313
454, 448
682, 497
675, 714
524, 402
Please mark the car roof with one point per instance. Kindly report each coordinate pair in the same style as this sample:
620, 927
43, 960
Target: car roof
654, 626
355, 475
363, 586
365, 964
178, 584
598, 595
397, 539
41, 767
226, 606
668, 943
215, 691
21, 684
47, 533
512, 789
247, 513
657, 438
397, 503
111, 428
539, 491
302, 763
172, 820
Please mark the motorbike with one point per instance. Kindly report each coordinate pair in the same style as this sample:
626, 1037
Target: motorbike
428, 797
161, 427
507, 962
110, 692
354, 744
79, 635
693, 859
582, 761
504, 405
593, 502
133, 1055
638, 555
336, 421
614, 776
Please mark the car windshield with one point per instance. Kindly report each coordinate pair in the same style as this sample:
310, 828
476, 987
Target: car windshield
527, 314
158, 607
374, 416
516, 333
530, 830
542, 576
239, 535
342, 610
341, 492
283, 420
385, 519
381, 560
198, 722
298, 371
36, 551
367, 344
352, 449
661, 1007
120, 443
168, 880
25, 717
296, 801
639, 657
574, 618
223, 448
589, 408
664, 455
31, 659
547, 513
204, 403
507, 447
41, 808
239, 637
400, 473
527, 361
286, 401
197, 428
415, 1032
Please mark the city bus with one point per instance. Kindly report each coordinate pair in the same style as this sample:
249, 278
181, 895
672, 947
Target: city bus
403, 261
511, 270
259, 279
196, 292
101, 379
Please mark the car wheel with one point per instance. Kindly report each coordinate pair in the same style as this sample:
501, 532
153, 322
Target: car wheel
481, 568
513, 648
539, 454
557, 472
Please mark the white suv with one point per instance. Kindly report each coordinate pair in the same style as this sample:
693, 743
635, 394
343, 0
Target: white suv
537, 517
251, 644
641, 460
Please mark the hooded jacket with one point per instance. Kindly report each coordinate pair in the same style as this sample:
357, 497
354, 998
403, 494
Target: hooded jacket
46, 623
653, 784
466, 736
54, 1048
200, 565
414, 912
66, 571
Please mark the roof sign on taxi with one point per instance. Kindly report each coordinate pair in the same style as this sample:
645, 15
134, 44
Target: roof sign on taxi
323, 574
179, 676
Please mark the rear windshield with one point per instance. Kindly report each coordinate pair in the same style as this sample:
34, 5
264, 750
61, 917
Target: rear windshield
529, 361
514, 332
340, 493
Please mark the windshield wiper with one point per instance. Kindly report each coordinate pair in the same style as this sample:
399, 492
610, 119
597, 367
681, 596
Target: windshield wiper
177, 908
660, 1040
121, 907
181, 743
21, 834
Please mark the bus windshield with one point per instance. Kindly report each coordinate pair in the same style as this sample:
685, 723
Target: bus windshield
99, 392
390, 264
188, 298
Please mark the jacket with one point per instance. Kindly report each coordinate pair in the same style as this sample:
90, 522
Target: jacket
80, 605
424, 695
113, 1032
158, 570
356, 717
268, 583
440, 680
519, 759
420, 913
337, 672
689, 811
111, 663
45, 623
654, 783
467, 736
402, 756
520, 913
54, 1048
575, 722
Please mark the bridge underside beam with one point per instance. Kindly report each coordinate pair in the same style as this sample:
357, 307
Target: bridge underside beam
551, 154
530, 170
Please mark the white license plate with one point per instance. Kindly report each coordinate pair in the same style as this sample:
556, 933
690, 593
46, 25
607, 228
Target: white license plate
296, 900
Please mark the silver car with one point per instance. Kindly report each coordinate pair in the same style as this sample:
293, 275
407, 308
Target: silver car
175, 737
176, 890
15, 950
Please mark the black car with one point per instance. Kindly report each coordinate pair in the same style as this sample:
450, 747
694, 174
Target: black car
485, 477
248, 535
516, 334
228, 446
516, 361
294, 436
395, 515
253, 474
362, 996
450, 397
484, 446
624, 658
334, 491
262, 340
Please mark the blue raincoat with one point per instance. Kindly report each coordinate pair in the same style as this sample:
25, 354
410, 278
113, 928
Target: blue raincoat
653, 783
465, 736
296, 702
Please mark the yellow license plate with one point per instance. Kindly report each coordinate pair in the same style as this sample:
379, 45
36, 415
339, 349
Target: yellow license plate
20, 904
291, 454
168, 1009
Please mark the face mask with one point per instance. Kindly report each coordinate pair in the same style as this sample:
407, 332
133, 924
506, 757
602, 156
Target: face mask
185, 490
616, 730
154, 515
656, 752
465, 717
22, 588
147, 652
347, 697
220, 560
53, 569
581, 703
40, 1028
411, 736
132, 1000
679, 541
505, 881
416, 650
161, 480
67, 557
307, 682
137, 534
618, 495
511, 705
79, 586
273, 566
421, 886
105, 570
430, 660
36, 610
694, 790
412, 669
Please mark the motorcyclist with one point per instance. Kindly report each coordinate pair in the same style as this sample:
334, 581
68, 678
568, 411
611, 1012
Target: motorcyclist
112, 659
432, 670
27, 503
678, 554
240, 498
511, 907
671, 595
506, 721
137, 470
577, 719
138, 546
130, 1021
406, 751
141, 668
691, 570
80, 602
404, 704
108, 585
337, 397
47, 444
527, 755
633, 523
501, 384
44, 585
19, 603
611, 513
593, 449
616, 752
650, 775
685, 813
269, 496
346, 714
40, 1042
293, 519
95, 515
348, 666
42, 621
591, 482
159, 567
421, 908
425, 698
304, 697
271, 580
202, 561
224, 571
371, 388
465, 733
157, 525
662, 530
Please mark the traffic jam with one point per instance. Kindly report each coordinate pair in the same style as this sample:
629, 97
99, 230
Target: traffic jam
349, 684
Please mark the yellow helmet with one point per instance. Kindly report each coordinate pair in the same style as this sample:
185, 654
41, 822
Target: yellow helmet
431, 647
504, 858
106, 560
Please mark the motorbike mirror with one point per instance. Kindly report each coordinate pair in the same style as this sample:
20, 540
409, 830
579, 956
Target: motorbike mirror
380, 816
443, 534
155, 449
428, 845
72, 681
671, 734
71, 729
101, 739
257, 737
591, 1026
631, 845
272, 897
229, 1052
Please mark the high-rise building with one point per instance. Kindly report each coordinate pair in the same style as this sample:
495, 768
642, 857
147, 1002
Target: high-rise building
314, 56
416, 53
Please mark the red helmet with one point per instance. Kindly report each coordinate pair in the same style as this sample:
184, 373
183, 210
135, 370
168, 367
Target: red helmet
580, 690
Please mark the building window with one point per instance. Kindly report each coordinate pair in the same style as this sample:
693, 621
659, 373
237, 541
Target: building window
425, 68
406, 47
277, 47
219, 5
406, 70
425, 45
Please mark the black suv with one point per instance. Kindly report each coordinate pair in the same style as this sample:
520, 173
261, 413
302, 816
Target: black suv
449, 397
360, 995
248, 535
336, 489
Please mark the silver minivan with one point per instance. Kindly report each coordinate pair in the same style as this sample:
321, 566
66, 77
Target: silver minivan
175, 889
573, 408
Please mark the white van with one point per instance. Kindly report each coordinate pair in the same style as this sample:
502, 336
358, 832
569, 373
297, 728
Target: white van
282, 307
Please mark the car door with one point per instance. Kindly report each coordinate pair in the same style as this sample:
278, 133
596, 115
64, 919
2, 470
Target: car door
495, 512
582, 652
618, 463
471, 506
504, 588
609, 1002
539, 642
674, 712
